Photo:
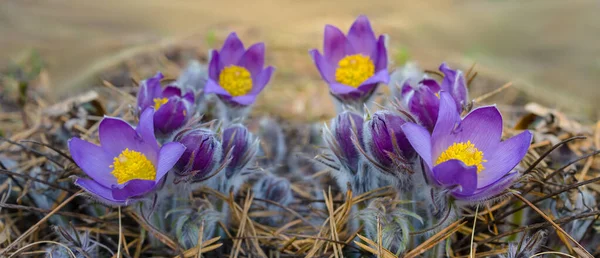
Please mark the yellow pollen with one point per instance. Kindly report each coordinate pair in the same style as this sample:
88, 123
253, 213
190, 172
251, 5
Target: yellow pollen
465, 152
158, 102
132, 165
236, 80
354, 70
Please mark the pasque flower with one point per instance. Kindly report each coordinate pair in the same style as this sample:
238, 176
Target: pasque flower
239, 143
128, 164
355, 64
236, 74
420, 96
172, 109
385, 140
344, 128
466, 156
202, 155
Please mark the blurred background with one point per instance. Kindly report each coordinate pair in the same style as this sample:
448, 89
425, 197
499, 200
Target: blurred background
549, 49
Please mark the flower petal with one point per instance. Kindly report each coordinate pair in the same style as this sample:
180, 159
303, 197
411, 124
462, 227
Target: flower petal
146, 128
380, 56
117, 135
99, 192
326, 70
170, 91
361, 36
244, 100
454, 172
483, 127
213, 66
261, 80
334, 44
448, 117
213, 87
232, 50
380, 77
171, 116
149, 90
454, 82
490, 191
133, 188
420, 140
340, 89
168, 156
93, 160
254, 58
506, 156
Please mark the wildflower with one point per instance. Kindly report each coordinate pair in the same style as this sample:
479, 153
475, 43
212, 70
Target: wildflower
466, 156
237, 140
419, 94
385, 140
355, 64
275, 189
172, 109
128, 164
237, 74
339, 140
202, 154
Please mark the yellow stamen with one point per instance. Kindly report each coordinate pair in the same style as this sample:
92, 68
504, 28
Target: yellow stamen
158, 102
354, 70
465, 152
132, 165
236, 80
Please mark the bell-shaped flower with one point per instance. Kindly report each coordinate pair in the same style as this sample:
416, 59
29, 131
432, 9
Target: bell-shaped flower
128, 164
202, 155
339, 139
240, 145
386, 142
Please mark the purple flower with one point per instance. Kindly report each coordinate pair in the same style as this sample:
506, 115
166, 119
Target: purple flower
467, 155
236, 74
172, 108
420, 96
340, 142
240, 144
128, 164
202, 154
355, 64
385, 140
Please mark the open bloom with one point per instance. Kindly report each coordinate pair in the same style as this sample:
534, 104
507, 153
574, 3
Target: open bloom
237, 74
467, 155
202, 154
355, 64
385, 140
128, 164
172, 108
421, 95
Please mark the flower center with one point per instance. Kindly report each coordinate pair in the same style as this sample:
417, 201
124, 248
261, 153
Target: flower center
236, 80
354, 70
132, 165
158, 102
465, 152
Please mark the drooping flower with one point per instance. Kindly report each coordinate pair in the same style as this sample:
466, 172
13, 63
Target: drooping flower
385, 140
355, 64
339, 139
128, 164
466, 156
419, 94
202, 155
172, 109
237, 140
237, 75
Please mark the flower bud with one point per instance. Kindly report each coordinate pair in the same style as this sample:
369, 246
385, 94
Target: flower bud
237, 140
273, 188
385, 140
202, 154
343, 128
454, 83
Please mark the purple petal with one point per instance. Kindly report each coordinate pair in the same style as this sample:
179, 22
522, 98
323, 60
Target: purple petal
334, 44
149, 90
213, 87
425, 105
189, 96
117, 135
254, 58
232, 51
171, 116
380, 56
431, 84
454, 172
504, 158
325, 69
146, 128
380, 77
170, 91
261, 80
99, 192
340, 89
169, 155
420, 140
454, 82
490, 191
447, 119
213, 66
244, 100
483, 127
361, 36
133, 188
93, 160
